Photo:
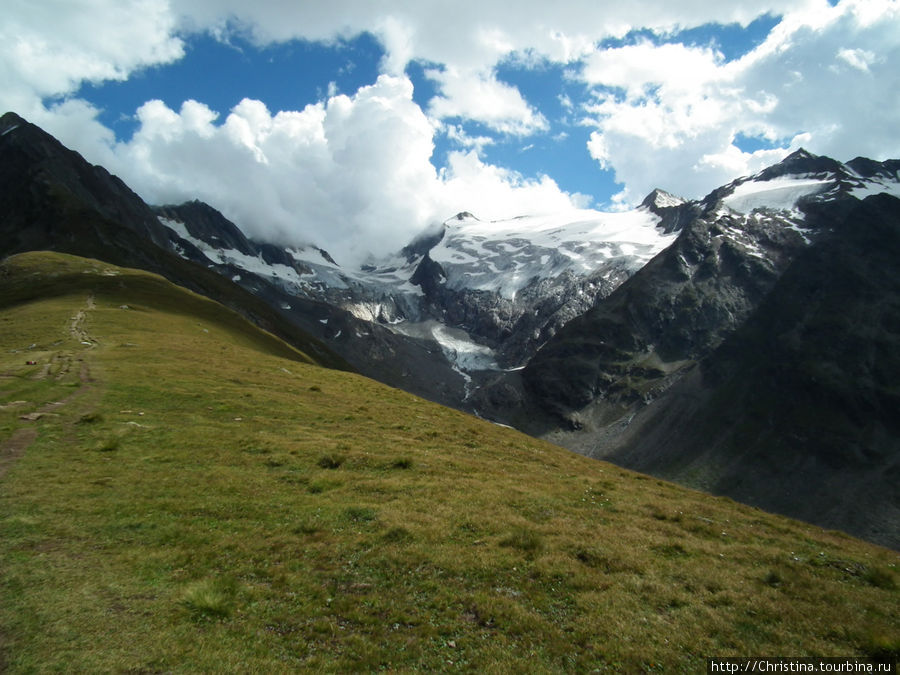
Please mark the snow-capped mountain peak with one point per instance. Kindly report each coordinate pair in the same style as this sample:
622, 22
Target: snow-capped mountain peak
802, 176
510, 284
505, 256
660, 199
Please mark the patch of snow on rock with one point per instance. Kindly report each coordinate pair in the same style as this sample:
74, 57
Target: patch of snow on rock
780, 194
504, 256
875, 187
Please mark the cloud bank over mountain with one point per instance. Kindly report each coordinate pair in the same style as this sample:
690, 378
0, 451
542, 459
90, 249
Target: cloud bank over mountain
663, 94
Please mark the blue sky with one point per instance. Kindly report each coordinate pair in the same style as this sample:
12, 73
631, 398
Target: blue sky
288, 76
355, 124
220, 73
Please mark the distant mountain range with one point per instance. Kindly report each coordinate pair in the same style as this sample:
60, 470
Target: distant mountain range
747, 343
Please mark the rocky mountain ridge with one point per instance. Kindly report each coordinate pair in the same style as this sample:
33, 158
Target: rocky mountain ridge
735, 245
756, 357
795, 410
508, 285
489, 296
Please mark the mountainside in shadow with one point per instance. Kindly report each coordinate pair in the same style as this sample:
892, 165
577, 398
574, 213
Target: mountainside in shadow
734, 247
51, 198
755, 357
797, 410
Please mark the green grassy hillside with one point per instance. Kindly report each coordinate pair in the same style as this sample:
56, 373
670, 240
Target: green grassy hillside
181, 492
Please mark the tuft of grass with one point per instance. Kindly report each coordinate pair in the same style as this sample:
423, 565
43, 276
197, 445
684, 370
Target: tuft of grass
319, 485
331, 461
255, 447
110, 444
397, 535
523, 539
671, 550
604, 562
90, 418
360, 514
210, 598
773, 579
401, 463
307, 526
880, 577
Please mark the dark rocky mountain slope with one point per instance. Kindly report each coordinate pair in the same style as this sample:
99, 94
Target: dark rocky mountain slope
52, 199
756, 357
797, 410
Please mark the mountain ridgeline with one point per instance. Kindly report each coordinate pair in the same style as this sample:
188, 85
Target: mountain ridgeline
745, 343
52, 199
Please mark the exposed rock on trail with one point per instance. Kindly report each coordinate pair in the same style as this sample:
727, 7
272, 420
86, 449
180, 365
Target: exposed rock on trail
76, 325
14, 447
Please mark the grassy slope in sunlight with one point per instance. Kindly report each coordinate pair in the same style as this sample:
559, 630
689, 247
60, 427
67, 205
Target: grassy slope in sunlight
210, 500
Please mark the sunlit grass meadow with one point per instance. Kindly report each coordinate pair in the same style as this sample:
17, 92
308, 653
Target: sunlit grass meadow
213, 501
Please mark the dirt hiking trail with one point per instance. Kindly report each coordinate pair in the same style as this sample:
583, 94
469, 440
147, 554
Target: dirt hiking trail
60, 362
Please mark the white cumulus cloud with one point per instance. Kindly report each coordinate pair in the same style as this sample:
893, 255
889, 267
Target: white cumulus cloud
51, 48
669, 115
482, 98
354, 173
470, 37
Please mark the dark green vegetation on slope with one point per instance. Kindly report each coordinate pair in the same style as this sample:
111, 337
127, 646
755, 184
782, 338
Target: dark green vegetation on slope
207, 500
